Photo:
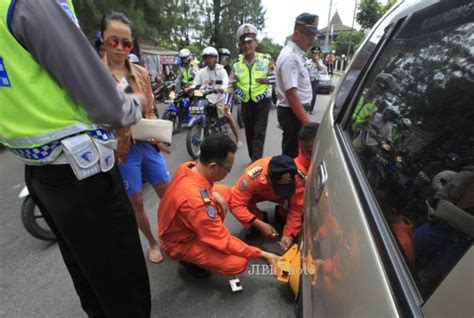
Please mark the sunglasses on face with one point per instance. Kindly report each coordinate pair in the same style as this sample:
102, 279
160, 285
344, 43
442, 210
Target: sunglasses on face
113, 42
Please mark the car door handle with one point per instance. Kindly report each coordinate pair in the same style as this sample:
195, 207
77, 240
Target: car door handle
322, 180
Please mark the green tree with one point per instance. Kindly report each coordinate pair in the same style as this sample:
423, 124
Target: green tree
342, 42
368, 13
267, 46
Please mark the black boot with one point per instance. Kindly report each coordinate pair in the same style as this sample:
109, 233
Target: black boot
195, 270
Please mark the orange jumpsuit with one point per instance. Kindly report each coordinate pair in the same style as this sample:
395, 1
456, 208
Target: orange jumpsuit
193, 231
253, 187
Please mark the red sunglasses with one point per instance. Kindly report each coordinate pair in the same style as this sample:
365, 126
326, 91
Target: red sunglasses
113, 42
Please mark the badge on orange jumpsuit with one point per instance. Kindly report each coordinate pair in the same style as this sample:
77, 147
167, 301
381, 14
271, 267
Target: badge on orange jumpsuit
243, 185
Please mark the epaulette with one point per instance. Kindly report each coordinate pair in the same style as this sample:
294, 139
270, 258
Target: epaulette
301, 174
254, 172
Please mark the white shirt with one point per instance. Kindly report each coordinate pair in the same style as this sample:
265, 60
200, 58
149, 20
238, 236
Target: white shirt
314, 67
207, 77
291, 72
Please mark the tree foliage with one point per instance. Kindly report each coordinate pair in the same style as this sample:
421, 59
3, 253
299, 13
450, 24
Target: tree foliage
342, 42
370, 11
267, 46
178, 23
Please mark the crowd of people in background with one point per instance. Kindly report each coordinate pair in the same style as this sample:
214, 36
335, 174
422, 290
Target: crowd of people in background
92, 195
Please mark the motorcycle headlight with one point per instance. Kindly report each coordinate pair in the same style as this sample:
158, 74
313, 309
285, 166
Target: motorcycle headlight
198, 93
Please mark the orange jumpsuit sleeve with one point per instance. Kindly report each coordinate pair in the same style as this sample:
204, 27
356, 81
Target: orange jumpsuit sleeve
212, 231
242, 193
295, 211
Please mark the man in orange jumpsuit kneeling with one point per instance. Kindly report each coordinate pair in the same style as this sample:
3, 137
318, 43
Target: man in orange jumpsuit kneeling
192, 211
278, 179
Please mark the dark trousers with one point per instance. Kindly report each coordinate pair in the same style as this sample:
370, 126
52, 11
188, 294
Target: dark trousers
291, 126
98, 237
314, 87
255, 117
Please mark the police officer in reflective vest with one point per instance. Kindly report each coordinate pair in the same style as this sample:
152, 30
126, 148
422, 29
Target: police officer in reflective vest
187, 72
251, 74
57, 101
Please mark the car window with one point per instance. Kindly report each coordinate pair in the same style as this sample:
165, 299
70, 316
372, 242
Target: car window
412, 129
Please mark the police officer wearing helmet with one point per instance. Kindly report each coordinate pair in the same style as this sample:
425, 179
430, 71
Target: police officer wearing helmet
210, 76
366, 106
65, 143
251, 74
293, 82
224, 60
187, 72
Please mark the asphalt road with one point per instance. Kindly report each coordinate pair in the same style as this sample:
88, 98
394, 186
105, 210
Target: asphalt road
34, 281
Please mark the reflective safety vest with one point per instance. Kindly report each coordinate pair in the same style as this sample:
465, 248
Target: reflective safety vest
362, 111
247, 87
188, 75
36, 113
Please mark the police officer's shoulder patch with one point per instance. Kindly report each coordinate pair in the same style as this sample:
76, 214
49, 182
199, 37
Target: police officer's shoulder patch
243, 185
254, 172
211, 211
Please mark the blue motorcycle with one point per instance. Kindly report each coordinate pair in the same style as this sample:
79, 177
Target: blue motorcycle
204, 121
178, 111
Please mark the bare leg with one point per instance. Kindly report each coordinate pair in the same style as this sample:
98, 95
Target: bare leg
154, 253
235, 129
161, 188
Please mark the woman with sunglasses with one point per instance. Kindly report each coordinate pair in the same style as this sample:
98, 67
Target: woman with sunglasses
135, 158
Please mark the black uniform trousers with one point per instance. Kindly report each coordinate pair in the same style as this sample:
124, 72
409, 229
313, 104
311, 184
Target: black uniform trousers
97, 234
255, 116
291, 126
314, 88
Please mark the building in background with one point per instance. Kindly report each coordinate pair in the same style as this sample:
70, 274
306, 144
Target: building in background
335, 28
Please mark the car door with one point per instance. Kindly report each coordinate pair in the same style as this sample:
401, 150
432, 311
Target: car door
401, 118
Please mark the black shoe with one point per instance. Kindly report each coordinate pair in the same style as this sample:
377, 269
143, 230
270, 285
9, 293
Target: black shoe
265, 217
279, 221
252, 233
195, 270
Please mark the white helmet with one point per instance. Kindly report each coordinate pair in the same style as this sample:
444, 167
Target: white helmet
406, 123
209, 51
133, 58
247, 30
184, 53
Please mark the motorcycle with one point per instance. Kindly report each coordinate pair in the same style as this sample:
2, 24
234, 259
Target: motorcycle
204, 121
162, 90
385, 164
178, 111
32, 219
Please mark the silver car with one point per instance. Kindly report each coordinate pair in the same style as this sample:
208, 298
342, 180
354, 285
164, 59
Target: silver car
389, 203
325, 82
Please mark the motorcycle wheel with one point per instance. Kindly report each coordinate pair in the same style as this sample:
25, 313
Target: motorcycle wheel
34, 222
172, 116
195, 136
240, 118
